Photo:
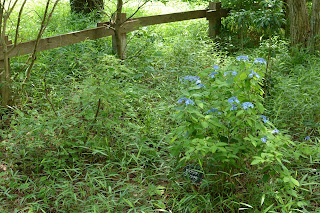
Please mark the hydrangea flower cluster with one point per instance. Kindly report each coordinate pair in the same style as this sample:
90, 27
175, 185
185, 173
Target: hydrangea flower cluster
253, 74
246, 105
242, 58
264, 118
213, 74
264, 139
194, 79
234, 73
191, 78
233, 107
215, 67
213, 110
260, 61
185, 100
233, 99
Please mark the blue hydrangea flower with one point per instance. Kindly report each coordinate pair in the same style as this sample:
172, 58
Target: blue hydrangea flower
246, 105
190, 78
201, 86
185, 100
233, 107
264, 139
264, 118
307, 138
234, 73
233, 99
242, 58
275, 131
260, 61
213, 110
215, 67
213, 74
252, 74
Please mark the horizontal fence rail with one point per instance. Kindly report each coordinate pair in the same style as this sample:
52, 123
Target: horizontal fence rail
118, 28
102, 31
24, 48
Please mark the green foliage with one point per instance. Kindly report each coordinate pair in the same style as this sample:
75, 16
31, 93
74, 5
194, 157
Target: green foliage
267, 17
220, 122
296, 97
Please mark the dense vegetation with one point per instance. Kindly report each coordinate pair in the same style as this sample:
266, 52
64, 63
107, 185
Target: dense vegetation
92, 133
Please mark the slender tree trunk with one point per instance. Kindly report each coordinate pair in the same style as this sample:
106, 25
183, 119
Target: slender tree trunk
286, 13
314, 43
85, 6
299, 22
5, 80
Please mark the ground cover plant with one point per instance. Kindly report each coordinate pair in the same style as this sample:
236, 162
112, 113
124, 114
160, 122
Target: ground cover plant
92, 133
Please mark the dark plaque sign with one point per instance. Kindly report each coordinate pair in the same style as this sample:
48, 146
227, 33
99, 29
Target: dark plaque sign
194, 173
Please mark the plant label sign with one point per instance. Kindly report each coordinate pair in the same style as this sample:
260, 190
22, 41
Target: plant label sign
193, 173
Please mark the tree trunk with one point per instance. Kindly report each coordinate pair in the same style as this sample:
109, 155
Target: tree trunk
286, 25
299, 22
314, 43
85, 6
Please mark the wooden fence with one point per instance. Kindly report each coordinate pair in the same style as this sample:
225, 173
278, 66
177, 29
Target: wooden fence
118, 29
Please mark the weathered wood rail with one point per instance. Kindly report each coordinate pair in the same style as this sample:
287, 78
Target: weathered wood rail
118, 29
214, 14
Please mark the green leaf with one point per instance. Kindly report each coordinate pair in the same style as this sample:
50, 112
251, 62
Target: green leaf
200, 104
204, 124
294, 181
230, 81
221, 144
260, 107
257, 161
216, 122
243, 76
213, 148
240, 112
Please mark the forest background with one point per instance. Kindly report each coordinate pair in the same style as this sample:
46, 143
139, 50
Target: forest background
186, 123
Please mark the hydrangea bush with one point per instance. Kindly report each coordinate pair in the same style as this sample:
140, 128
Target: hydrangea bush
223, 122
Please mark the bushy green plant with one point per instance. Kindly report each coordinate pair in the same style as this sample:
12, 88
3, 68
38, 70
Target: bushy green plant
221, 121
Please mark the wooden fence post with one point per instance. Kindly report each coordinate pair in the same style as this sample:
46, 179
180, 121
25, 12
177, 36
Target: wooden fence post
214, 21
119, 39
5, 78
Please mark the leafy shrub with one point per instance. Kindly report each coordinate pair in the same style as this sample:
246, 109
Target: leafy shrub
221, 122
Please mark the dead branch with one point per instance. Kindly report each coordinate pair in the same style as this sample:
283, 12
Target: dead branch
45, 21
18, 26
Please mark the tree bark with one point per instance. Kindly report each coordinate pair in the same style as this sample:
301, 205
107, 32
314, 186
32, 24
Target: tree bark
314, 43
299, 22
286, 14
85, 6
